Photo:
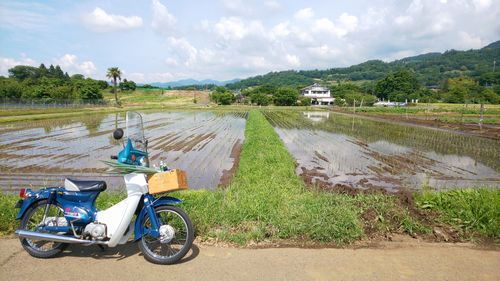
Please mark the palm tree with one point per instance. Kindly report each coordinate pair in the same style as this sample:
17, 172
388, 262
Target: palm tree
114, 73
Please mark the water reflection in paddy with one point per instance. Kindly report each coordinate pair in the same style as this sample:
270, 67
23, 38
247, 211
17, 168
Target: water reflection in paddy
335, 149
44, 152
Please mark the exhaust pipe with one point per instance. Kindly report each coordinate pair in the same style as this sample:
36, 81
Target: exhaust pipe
55, 238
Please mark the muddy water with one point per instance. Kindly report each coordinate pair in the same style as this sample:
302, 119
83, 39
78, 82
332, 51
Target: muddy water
43, 153
332, 149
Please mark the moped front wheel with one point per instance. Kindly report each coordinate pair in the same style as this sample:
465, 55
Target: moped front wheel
175, 240
33, 220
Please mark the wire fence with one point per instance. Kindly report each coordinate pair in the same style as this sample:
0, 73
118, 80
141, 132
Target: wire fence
50, 103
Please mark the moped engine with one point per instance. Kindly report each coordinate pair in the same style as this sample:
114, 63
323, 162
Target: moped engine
95, 230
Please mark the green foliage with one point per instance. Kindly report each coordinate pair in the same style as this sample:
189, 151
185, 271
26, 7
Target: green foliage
286, 96
222, 96
360, 98
289, 78
397, 86
8, 213
468, 90
259, 99
127, 85
469, 210
347, 93
304, 101
27, 83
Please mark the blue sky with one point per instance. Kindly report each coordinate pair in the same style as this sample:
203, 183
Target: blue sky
160, 40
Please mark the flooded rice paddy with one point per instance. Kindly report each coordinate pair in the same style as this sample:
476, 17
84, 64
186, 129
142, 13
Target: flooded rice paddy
333, 150
43, 153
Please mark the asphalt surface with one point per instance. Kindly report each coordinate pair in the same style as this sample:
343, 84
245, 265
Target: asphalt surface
412, 260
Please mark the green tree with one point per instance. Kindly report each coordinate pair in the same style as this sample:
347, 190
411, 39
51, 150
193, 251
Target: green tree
399, 85
462, 90
77, 77
222, 96
127, 85
286, 96
259, 99
22, 72
59, 73
43, 71
304, 101
90, 92
114, 73
360, 98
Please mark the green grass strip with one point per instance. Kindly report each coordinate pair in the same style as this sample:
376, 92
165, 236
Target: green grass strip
268, 200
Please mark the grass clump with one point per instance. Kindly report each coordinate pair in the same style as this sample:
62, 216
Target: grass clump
8, 213
384, 214
471, 211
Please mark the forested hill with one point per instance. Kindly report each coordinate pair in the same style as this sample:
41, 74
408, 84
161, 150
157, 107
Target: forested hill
431, 69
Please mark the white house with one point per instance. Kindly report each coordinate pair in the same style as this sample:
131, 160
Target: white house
319, 95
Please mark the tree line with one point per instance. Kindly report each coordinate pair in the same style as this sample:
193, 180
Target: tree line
51, 85
48, 84
399, 86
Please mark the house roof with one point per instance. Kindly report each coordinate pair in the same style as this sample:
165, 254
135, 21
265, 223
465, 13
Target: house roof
317, 87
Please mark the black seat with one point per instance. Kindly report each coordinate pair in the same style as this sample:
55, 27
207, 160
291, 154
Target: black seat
87, 185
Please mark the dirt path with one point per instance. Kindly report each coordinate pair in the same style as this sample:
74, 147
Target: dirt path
412, 260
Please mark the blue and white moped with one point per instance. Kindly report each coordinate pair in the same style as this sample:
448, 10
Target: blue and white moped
54, 217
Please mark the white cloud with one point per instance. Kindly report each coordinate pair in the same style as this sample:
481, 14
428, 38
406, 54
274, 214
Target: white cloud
235, 28
163, 21
482, 4
272, 4
23, 16
100, 21
70, 63
348, 22
293, 60
470, 41
281, 30
304, 14
403, 20
184, 50
8, 63
171, 62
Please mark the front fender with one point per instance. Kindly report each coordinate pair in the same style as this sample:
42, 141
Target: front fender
162, 201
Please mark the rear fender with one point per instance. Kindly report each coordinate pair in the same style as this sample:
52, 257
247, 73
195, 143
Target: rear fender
148, 210
35, 196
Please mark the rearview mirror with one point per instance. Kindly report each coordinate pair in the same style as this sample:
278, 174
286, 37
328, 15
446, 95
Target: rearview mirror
118, 134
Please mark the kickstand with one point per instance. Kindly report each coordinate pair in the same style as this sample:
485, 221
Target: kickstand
101, 247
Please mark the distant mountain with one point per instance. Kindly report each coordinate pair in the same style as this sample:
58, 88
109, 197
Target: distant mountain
430, 69
192, 82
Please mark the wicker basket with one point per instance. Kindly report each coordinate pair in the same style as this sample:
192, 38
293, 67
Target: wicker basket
172, 180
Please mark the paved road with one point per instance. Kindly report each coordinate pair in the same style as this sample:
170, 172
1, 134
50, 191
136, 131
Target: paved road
389, 261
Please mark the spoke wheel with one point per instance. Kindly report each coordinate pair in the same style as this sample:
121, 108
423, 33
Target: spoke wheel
33, 221
176, 236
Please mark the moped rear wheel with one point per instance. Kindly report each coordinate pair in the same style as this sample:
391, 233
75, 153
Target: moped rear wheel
176, 236
33, 220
